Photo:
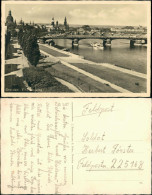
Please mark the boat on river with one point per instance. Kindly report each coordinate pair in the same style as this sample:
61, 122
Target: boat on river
97, 45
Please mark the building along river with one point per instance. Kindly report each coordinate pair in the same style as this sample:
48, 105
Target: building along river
119, 54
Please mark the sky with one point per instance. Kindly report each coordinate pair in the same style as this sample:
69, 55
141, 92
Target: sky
90, 14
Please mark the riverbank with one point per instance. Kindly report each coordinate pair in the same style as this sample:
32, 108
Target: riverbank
117, 78
73, 58
81, 82
120, 54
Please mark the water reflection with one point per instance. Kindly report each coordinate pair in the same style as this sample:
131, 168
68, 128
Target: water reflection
119, 53
107, 48
75, 48
138, 48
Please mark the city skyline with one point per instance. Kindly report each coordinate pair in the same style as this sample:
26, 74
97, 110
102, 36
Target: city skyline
80, 14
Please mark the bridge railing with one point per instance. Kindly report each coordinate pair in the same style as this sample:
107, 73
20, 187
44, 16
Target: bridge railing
92, 37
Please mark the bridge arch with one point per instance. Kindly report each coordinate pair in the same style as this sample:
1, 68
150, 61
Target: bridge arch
106, 40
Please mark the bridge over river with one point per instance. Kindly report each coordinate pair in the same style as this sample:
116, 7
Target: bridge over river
106, 39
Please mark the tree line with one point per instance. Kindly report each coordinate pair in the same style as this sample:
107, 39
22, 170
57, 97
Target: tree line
7, 42
28, 41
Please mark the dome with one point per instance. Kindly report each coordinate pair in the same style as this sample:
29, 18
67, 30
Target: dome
9, 18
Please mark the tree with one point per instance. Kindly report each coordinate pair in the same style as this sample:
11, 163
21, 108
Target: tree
28, 42
86, 27
7, 41
32, 50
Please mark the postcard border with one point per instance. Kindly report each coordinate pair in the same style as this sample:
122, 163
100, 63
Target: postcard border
49, 94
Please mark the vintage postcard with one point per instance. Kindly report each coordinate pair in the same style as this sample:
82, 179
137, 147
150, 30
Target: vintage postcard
76, 146
76, 49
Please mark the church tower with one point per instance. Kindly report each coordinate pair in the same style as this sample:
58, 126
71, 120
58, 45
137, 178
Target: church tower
52, 23
65, 22
9, 19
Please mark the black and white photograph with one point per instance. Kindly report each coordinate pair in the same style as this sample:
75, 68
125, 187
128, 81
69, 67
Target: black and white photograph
76, 49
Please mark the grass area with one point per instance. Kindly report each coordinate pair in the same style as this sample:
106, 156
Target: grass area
46, 61
14, 84
79, 80
10, 68
42, 81
124, 80
52, 52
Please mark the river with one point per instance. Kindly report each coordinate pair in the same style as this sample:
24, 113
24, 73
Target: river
119, 54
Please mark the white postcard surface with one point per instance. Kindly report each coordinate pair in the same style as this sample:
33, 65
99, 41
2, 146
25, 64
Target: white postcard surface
76, 146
